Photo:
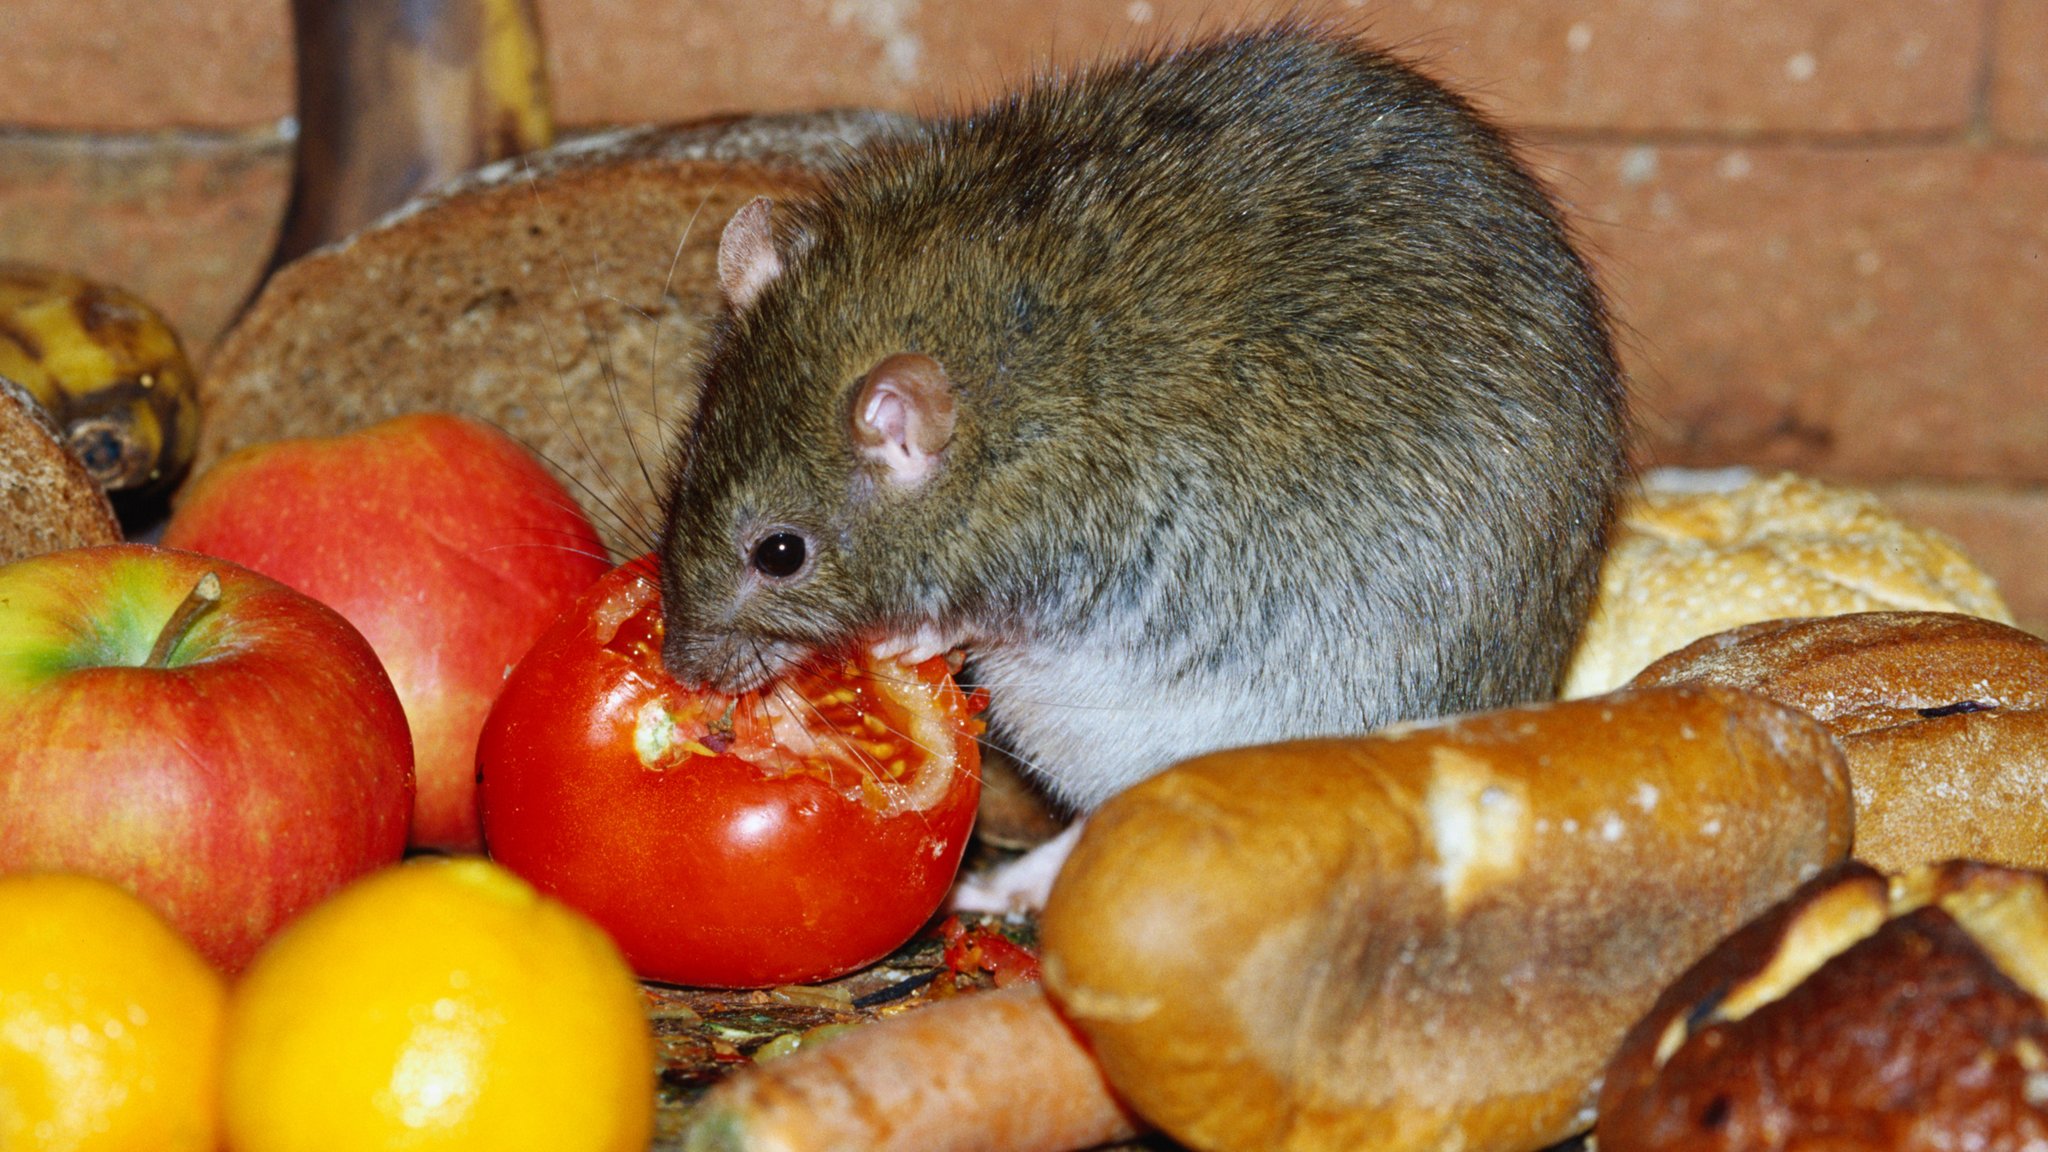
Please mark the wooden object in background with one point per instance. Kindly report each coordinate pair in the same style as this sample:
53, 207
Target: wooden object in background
396, 96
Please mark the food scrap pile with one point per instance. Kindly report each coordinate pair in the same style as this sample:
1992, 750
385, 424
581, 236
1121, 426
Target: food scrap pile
1791, 714
704, 1034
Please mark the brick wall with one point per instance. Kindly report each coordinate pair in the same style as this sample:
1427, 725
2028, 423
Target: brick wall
1824, 223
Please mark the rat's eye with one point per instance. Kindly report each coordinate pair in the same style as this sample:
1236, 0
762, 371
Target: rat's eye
778, 555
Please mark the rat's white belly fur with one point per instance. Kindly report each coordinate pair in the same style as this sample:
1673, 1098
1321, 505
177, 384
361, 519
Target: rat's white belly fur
1090, 722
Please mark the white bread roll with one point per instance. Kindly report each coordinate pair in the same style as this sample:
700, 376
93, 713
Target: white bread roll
1701, 552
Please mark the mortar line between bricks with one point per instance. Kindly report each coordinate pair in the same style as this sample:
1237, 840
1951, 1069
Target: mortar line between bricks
1962, 485
1987, 72
1961, 139
282, 133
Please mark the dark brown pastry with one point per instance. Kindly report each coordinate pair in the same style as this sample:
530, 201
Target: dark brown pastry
1859, 1014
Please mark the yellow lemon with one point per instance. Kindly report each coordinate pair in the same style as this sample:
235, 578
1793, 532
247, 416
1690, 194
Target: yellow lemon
110, 1022
438, 1005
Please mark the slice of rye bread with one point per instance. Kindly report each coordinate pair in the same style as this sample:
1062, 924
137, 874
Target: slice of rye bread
565, 297
48, 501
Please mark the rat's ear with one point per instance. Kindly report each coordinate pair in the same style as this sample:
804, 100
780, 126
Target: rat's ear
903, 417
747, 259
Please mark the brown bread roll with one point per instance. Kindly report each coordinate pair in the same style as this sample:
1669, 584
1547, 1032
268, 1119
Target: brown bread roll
1943, 717
1857, 1015
1434, 936
48, 501
564, 296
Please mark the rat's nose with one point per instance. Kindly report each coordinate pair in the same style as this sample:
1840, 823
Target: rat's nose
726, 663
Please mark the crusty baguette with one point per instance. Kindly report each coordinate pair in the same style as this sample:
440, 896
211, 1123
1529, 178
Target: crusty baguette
48, 501
563, 297
1698, 553
1943, 717
1431, 937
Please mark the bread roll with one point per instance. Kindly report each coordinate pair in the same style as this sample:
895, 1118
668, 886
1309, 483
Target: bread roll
1943, 717
1856, 1015
1431, 937
563, 296
1698, 553
48, 501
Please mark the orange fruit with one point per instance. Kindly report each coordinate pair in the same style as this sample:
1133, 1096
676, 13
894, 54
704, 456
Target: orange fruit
110, 1022
435, 1006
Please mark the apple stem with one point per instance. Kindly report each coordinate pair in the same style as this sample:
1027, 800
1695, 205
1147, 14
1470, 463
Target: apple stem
205, 594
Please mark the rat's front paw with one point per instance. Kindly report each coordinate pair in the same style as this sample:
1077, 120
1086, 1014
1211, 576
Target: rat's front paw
919, 645
1019, 886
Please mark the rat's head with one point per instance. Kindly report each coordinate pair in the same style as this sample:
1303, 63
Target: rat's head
799, 456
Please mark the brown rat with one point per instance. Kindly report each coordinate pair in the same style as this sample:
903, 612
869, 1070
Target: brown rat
1239, 392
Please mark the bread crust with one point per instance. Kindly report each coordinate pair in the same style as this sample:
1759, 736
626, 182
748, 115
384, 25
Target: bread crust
1943, 718
1900, 1026
1434, 936
48, 501
1699, 553
564, 297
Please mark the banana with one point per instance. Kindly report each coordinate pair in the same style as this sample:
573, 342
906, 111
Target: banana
512, 81
109, 370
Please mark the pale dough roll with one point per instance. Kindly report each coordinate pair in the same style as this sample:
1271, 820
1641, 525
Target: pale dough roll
1701, 552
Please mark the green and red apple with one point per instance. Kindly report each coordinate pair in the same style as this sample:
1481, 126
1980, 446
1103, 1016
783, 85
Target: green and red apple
443, 539
230, 758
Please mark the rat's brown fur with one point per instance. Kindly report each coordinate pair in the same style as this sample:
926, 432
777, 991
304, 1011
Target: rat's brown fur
1284, 407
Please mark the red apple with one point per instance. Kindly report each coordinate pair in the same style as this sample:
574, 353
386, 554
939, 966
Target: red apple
252, 765
441, 538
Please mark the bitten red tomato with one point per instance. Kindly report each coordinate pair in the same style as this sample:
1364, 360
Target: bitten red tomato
788, 835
